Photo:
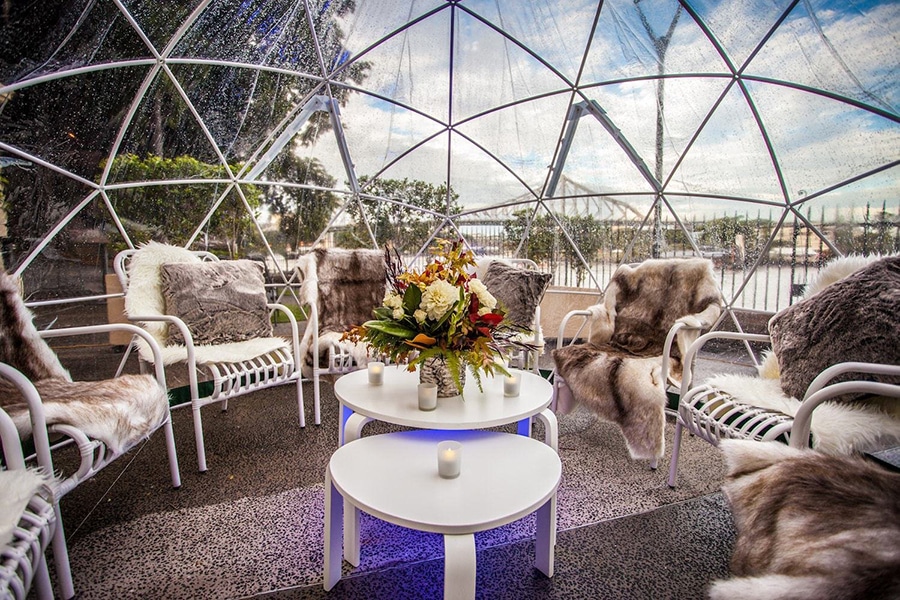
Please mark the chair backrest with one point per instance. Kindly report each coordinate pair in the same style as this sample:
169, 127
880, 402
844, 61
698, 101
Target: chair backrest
345, 286
644, 301
138, 271
20, 344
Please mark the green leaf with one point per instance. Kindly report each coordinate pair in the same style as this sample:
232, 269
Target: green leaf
390, 328
412, 297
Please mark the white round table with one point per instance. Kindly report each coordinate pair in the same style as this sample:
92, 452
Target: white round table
394, 477
396, 401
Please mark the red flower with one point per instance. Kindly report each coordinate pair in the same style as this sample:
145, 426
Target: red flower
492, 319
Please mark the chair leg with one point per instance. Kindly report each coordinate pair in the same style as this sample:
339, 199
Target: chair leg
676, 449
198, 439
317, 406
301, 409
170, 451
61, 557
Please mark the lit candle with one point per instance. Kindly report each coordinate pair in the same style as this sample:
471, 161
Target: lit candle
511, 385
376, 373
427, 396
449, 458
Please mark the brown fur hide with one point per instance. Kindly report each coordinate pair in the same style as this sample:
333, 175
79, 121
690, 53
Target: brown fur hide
617, 373
345, 286
810, 526
119, 412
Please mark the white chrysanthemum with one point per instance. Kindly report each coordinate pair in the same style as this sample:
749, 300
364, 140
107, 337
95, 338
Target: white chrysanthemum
485, 299
420, 315
398, 313
438, 298
393, 300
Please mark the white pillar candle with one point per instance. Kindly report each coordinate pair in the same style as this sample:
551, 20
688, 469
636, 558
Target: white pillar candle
511, 385
376, 373
449, 459
427, 396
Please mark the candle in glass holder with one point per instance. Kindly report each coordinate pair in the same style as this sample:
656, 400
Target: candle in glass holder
427, 396
376, 373
511, 385
449, 459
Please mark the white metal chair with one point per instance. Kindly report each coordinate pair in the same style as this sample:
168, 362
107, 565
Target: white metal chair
520, 291
227, 370
103, 419
340, 288
626, 351
839, 409
22, 558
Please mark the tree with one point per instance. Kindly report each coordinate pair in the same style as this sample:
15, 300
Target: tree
304, 212
405, 227
149, 209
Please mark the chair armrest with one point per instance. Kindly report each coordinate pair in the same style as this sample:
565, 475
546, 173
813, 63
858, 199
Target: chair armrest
818, 392
36, 411
693, 349
159, 370
295, 331
584, 314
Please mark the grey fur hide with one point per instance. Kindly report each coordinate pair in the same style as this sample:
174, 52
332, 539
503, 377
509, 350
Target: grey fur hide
118, 412
345, 286
810, 526
854, 319
617, 373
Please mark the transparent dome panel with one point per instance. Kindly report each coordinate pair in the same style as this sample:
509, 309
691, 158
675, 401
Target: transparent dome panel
479, 179
842, 141
557, 32
254, 32
412, 68
849, 53
379, 132
373, 20
522, 136
159, 21
634, 39
491, 70
59, 36
492, 232
70, 122
426, 162
729, 156
295, 213
740, 25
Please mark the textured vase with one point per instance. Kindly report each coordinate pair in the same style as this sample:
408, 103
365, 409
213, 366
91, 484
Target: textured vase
437, 371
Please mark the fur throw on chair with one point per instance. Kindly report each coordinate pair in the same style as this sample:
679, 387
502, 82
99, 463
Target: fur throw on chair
810, 526
617, 373
344, 286
144, 297
119, 412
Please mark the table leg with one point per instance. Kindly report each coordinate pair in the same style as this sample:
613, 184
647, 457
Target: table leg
345, 413
352, 431
353, 426
545, 537
334, 508
551, 428
459, 567
524, 427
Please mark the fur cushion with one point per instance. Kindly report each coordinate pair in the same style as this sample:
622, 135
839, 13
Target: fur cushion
810, 526
519, 291
220, 302
838, 428
854, 319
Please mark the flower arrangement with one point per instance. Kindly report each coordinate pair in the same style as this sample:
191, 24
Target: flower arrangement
441, 312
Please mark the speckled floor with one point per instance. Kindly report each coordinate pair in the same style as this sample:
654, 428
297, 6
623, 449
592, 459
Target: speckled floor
253, 524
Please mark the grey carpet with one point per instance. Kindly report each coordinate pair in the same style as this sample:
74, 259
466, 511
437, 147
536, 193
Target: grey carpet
253, 524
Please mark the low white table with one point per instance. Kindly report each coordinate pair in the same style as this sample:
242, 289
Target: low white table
394, 477
397, 402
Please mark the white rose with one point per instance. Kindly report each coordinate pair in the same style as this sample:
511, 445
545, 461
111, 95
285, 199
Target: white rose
398, 313
393, 300
438, 298
485, 299
420, 315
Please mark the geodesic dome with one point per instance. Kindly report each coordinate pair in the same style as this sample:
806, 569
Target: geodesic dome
762, 133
